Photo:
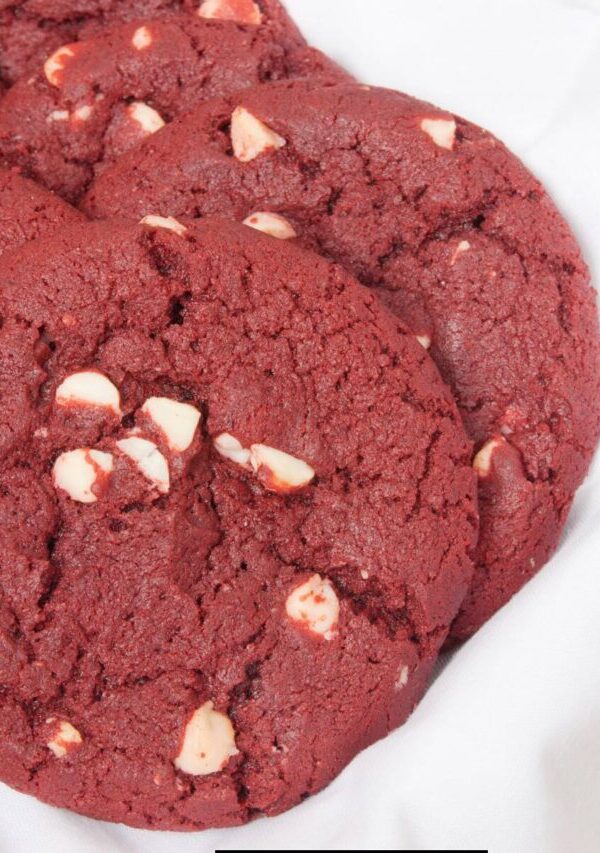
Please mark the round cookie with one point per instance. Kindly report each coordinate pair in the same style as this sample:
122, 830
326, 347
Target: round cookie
28, 211
31, 30
92, 100
455, 235
250, 515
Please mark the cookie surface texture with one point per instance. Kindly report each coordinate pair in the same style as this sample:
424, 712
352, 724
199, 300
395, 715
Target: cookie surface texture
457, 238
31, 30
28, 211
250, 515
92, 100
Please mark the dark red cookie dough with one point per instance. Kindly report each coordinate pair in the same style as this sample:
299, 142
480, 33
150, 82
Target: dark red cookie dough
30, 30
123, 616
92, 100
28, 211
459, 239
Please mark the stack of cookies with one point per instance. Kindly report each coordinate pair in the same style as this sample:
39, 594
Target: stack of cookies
299, 379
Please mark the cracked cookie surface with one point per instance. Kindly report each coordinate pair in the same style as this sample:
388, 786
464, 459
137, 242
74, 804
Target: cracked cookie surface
92, 100
456, 237
31, 30
237, 514
28, 211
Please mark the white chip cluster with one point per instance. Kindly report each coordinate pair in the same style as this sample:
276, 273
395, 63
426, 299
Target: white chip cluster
83, 473
208, 740
278, 471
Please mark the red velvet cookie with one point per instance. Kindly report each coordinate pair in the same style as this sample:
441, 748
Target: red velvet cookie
455, 235
28, 211
92, 100
31, 30
237, 512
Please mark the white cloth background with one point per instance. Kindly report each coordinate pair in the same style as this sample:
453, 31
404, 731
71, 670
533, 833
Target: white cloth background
504, 752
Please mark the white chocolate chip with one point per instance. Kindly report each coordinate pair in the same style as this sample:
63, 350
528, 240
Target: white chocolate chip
89, 388
208, 742
240, 11
167, 223
230, 448
463, 246
177, 421
55, 64
83, 113
402, 678
364, 575
315, 605
278, 471
251, 137
76, 472
148, 119
441, 130
65, 739
483, 460
271, 224
424, 340
142, 38
148, 459
58, 115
